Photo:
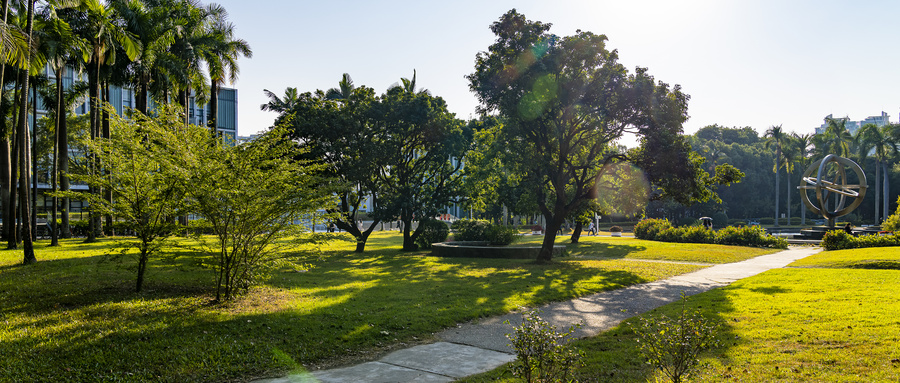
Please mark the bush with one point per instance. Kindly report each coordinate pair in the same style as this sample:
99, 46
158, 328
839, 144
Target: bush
753, 236
673, 345
720, 218
615, 229
470, 230
892, 223
767, 221
542, 353
502, 235
697, 234
688, 221
650, 227
432, 231
840, 240
661, 230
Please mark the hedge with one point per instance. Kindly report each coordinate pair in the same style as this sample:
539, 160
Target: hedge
661, 230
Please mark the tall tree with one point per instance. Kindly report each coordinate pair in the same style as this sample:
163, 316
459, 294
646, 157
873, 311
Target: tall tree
422, 147
104, 36
22, 137
777, 139
879, 142
221, 57
564, 101
281, 104
803, 143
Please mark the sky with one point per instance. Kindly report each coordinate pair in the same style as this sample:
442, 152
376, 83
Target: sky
756, 63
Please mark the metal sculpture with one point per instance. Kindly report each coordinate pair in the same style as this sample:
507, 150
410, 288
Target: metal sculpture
836, 188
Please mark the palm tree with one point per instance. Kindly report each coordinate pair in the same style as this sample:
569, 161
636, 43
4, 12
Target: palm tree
879, 141
803, 144
105, 35
221, 58
343, 91
22, 137
775, 137
62, 48
281, 104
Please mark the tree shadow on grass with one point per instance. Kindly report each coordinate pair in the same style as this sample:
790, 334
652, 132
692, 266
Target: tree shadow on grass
87, 324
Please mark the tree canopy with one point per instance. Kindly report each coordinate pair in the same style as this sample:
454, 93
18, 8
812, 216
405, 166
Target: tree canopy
564, 102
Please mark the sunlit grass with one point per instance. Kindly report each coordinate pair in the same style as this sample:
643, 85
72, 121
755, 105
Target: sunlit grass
785, 325
74, 317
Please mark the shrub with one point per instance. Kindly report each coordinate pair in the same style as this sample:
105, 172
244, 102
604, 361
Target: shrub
892, 223
650, 227
697, 234
501, 235
542, 353
615, 229
838, 240
432, 231
673, 345
749, 236
470, 230
766, 221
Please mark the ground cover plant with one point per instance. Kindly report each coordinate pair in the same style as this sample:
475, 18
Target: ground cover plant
73, 316
806, 324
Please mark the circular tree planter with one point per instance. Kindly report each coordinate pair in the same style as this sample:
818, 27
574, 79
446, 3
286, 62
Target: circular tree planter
475, 249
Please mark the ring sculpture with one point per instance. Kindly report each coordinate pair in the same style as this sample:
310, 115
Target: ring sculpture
837, 188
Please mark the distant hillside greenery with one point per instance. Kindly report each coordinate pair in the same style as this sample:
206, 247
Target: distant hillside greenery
754, 196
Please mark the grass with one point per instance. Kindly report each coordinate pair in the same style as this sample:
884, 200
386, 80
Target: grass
74, 317
629, 248
833, 320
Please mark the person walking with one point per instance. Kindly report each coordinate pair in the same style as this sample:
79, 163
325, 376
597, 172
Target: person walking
592, 229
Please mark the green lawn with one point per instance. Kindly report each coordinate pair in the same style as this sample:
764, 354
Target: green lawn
73, 315
786, 325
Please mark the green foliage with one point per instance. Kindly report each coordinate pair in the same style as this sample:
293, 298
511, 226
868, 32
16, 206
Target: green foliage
432, 232
840, 240
502, 235
662, 230
542, 352
650, 227
615, 229
673, 345
141, 172
482, 230
470, 229
251, 195
892, 223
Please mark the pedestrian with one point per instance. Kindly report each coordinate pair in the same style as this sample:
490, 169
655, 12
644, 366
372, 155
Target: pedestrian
591, 228
848, 228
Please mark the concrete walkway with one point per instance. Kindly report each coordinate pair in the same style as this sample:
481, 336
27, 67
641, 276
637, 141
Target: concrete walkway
473, 348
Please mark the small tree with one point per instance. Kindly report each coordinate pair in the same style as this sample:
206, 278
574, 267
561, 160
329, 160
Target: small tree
543, 353
146, 190
251, 195
673, 345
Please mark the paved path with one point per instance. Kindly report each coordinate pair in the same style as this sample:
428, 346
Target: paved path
473, 348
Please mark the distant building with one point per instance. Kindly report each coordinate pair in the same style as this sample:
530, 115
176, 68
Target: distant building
853, 126
122, 98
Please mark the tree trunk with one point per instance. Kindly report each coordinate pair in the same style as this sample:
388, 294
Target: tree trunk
877, 190
31, 159
94, 80
788, 205
65, 230
576, 233
886, 184
22, 134
552, 226
107, 194
213, 107
777, 186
